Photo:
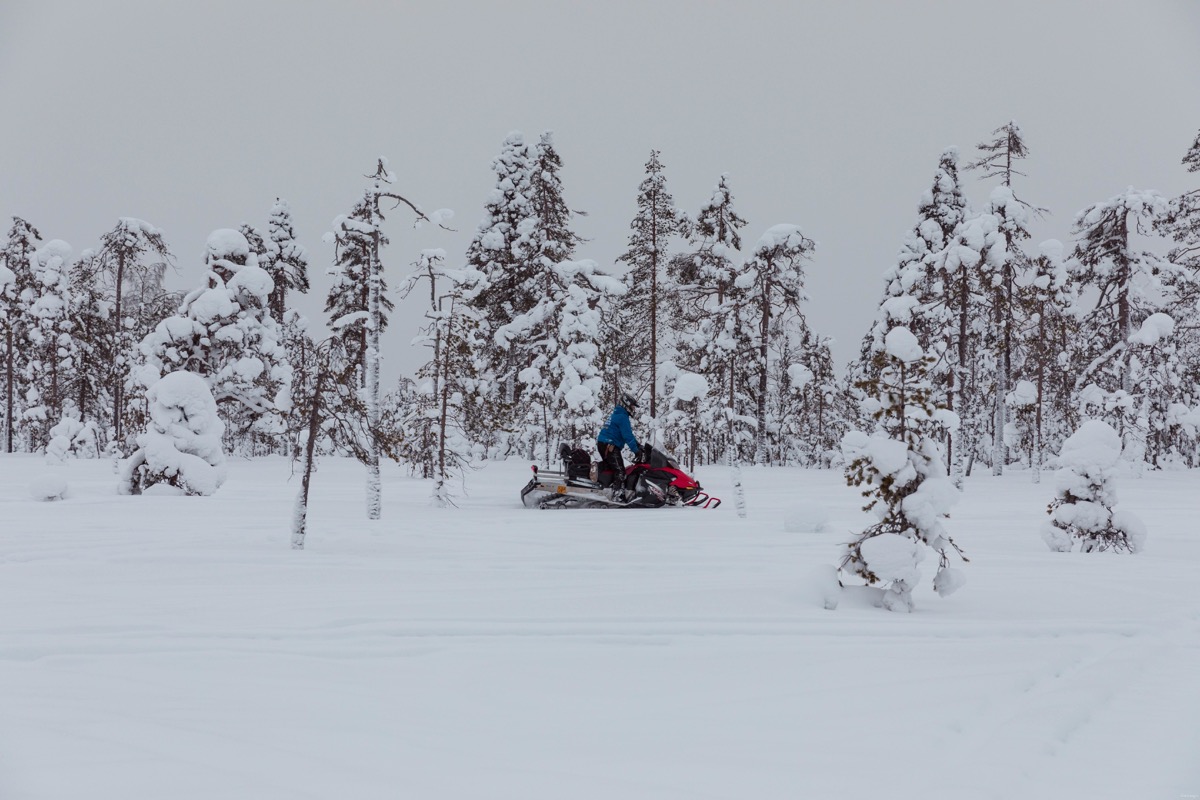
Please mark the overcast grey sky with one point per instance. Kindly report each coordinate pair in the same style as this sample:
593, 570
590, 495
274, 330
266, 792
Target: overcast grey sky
829, 115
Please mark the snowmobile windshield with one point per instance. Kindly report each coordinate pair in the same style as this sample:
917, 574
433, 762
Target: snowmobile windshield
660, 460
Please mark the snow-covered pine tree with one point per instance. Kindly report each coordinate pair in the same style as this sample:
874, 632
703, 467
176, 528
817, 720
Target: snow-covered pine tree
224, 332
289, 268
771, 285
49, 336
706, 310
903, 474
132, 259
19, 250
1002, 276
1082, 509
507, 270
361, 232
629, 353
1128, 288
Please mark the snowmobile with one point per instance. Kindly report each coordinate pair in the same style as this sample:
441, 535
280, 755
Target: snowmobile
653, 480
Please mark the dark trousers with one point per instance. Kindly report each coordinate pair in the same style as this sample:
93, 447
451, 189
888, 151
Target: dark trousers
611, 461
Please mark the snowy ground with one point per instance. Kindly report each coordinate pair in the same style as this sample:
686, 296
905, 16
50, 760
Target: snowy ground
156, 647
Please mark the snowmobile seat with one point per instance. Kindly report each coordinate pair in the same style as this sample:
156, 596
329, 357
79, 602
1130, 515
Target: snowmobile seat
578, 462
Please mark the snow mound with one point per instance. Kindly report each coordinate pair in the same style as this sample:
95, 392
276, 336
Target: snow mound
893, 557
822, 586
226, 243
781, 237
1156, 328
806, 519
689, 386
1094, 446
48, 487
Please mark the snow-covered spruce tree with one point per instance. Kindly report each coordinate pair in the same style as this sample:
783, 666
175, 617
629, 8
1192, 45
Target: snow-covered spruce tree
507, 271
1002, 275
347, 305
1048, 333
1129, 288
549, 244
772, 281
180, 452
49, 334
562, 386
289, 267
132, 261
706, 309
936, 300
224, 332
365, 232
901, 469
17, 288
630, 355
915, 296
1082, 509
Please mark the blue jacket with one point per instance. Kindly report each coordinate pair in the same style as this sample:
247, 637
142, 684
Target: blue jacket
618, 431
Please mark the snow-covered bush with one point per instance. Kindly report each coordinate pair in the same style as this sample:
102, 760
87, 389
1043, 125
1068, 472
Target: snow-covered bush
901, 469
1082, 510
182, 448
72, 436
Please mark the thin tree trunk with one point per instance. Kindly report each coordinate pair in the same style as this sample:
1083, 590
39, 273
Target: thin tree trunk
654, 314
999, 420
119, 348
374, 490
439, 486
8, 389
760, 454
1037, 425
300, 519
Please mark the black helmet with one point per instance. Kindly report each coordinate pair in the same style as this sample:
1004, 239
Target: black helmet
629, 401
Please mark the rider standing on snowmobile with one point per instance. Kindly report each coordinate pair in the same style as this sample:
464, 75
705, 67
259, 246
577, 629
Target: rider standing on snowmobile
616, 434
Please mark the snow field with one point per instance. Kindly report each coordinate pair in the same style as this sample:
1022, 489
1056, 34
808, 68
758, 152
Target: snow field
176, 647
